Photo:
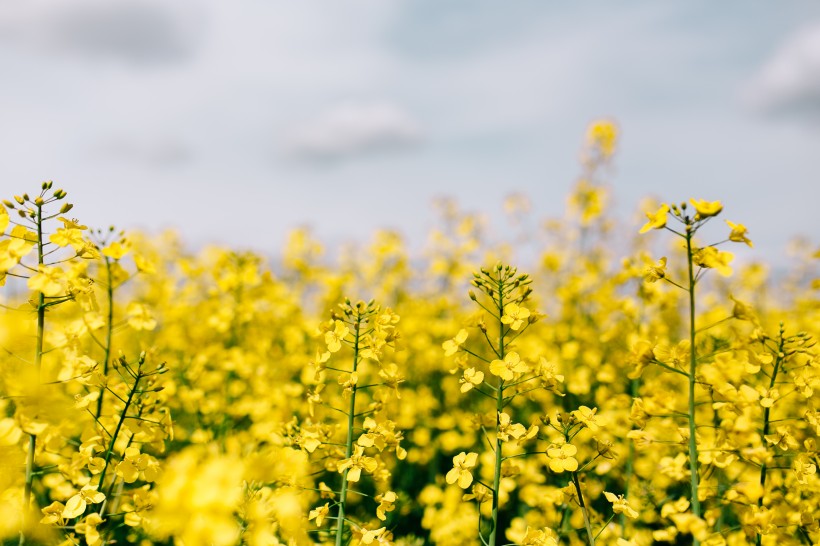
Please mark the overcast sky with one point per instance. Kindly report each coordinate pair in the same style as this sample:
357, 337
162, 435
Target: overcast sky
235, 121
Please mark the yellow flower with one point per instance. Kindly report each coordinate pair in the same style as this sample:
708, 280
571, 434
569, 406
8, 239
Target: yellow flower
638, 414
603, 135
657, 219
140, 317
334, 337
76, 505
620, 505
710, 257
539, 537
738, 233
471, 379
349, 383
451, 346
587, 417
356, 463
705, 209
367, 536
654, 273
53, 514
462, 463
88, 527
319, 514
507, 368
386, 504
562, 457
65, 237
116, 250
507, 429
48, 280
515, 316
804, 468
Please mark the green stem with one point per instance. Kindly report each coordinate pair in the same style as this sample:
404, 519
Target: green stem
630, 462
693, 360
108, 333
499, 406
38, 360
584, 510
117, 430
351, 415
766, 421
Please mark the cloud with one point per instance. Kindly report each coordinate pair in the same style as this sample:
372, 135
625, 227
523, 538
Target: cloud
138, 32
155, 151
352, 129
789, 82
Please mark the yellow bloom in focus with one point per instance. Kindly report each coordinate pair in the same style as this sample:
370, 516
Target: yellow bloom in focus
738, 233
356, 463
334, 337
53, 514
620, 505
507, 429
562, 457
507, 368
603, 135
88, 527
76, 505
319, 514
587, 417
386, 504
65, 237
451, 346
368, 536
657, 219
705, 209
462, 463
712, 258
471, 379
515, 316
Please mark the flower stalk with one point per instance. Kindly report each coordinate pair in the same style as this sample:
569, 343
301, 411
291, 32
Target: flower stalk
351, 416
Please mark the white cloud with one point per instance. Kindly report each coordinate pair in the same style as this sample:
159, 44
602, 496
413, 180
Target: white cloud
352, 129
789, 82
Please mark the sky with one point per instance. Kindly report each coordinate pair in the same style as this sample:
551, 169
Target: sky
234, 122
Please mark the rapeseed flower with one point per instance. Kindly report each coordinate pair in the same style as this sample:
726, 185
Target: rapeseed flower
460, 473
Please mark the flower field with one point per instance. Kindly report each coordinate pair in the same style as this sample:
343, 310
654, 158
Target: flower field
625, 384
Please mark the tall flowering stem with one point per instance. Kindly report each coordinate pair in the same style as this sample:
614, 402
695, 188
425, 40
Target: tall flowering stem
702, 258
48, 285
509, 375
367, 330
693, 362
358, 316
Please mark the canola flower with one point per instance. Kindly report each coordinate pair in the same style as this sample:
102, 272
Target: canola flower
208, 397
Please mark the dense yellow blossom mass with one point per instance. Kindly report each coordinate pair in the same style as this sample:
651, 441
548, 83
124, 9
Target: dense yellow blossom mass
609, 395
